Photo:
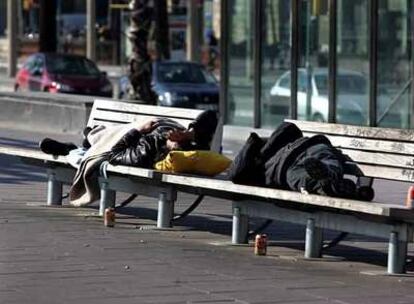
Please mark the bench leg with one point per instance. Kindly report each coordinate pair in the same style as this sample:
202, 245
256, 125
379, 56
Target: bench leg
313, 242
108, 198
54, 190
397, 254
165, 210
240, 227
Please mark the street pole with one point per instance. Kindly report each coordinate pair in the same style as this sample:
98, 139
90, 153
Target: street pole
91, 29
194, 30
47, 26
59, 28
161, 30
12, 37
308, 64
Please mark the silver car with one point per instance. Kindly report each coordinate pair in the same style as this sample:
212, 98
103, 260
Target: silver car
352, 102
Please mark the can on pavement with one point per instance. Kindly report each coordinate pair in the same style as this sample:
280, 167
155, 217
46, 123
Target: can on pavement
260, 244
109, 217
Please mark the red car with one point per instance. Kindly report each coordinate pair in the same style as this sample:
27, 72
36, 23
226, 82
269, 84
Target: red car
61, 73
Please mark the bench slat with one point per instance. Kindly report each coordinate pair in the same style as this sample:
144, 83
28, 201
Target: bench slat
290, 196
397, 174
103, 123
369, 144
133, 171
380, 159
103, 117
33, 154
356, 131
132, 108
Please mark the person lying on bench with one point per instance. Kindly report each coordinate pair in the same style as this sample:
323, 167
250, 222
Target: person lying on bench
146, 143
288, 160
140, 145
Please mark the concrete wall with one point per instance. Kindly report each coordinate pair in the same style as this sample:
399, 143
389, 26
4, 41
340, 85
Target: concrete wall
52, 113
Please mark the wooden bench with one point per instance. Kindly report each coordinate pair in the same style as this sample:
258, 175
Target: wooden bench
381, 153
145, 182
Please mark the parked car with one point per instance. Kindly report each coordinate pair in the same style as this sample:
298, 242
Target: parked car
60, 73
352, 101
180, 84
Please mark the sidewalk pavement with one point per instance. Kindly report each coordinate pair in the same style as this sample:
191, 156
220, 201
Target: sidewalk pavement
66, 255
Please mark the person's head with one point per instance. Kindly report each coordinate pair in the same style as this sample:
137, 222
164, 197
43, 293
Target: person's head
179, 140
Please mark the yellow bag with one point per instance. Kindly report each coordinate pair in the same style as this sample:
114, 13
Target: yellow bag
198, 162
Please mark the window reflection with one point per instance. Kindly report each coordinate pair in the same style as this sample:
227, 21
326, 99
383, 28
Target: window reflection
313, 60
394, 67
276, 61
240, 91
394, 100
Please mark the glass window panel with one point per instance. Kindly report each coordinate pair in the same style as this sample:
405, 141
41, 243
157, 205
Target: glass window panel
3, 17
240, 90
312, 95
352, 87
394, 68
276, 62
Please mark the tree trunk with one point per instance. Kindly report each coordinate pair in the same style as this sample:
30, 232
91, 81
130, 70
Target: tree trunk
47, 26
140, 65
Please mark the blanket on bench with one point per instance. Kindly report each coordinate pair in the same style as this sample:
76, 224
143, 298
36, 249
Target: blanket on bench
85, 187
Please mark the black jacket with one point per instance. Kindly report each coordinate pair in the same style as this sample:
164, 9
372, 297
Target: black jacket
255, 164
144, 150
277, 166
265, 163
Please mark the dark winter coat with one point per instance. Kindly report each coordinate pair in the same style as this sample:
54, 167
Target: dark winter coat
277, 166
278, 162
144, 150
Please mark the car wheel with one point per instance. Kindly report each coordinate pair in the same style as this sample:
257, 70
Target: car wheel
318, 117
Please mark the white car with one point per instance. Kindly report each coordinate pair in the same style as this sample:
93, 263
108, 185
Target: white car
352, 101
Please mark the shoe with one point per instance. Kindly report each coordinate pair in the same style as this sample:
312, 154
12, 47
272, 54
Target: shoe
51, 146
86, 131
316, 169
344, 188
85, 141
365, 193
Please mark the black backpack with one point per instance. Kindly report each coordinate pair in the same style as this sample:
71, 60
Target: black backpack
247, 166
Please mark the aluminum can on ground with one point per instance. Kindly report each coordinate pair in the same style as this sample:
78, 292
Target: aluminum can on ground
260, 244
109, 217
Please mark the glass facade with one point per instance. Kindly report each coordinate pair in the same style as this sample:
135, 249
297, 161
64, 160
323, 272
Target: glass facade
352, 59
3, 18
394, 64
313, 76
240, 66
353, 72
275, 60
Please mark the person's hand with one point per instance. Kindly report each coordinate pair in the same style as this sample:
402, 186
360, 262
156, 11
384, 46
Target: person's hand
149, 126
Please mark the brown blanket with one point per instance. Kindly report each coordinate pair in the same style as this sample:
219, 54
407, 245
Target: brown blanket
85, 187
